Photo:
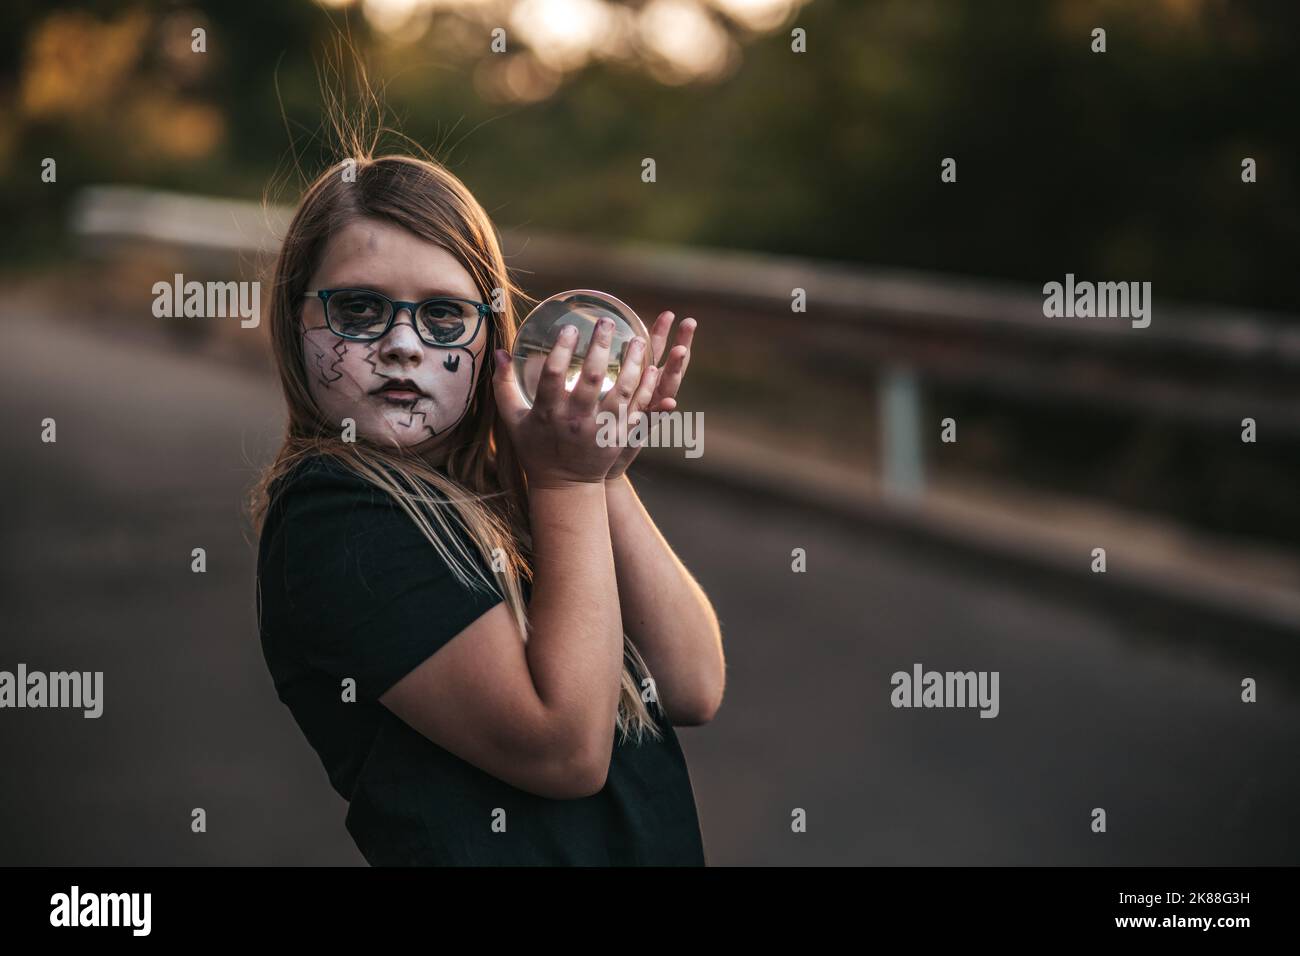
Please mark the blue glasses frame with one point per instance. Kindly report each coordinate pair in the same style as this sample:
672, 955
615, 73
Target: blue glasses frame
396, 306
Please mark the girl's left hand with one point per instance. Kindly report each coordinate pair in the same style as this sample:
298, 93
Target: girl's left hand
666, 380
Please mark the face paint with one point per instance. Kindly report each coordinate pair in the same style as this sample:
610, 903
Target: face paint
398, 389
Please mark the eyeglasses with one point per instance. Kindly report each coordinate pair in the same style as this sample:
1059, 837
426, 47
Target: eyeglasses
364, 316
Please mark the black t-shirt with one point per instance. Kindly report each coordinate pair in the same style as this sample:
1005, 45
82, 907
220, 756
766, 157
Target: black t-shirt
348, 586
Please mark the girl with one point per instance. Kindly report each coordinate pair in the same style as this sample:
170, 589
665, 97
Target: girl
464, 605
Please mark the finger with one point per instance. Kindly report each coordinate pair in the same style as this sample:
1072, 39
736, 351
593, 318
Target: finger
659, 334
510, 403
586, 391
637, 408
685, 336
674, 370
645, 391
629, 376
550, 384
686, 331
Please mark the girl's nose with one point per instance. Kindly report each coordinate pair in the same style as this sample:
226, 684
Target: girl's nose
401, 345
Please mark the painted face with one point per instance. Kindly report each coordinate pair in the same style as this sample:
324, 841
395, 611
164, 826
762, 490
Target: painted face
399, 390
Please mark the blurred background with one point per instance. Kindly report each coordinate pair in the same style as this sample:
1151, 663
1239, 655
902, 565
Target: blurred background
776, 171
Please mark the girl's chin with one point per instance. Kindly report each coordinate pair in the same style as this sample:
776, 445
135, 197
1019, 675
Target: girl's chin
411, 435
406, 428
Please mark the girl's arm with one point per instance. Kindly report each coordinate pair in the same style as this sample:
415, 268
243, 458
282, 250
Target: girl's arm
541, 715
575, 644
665, 612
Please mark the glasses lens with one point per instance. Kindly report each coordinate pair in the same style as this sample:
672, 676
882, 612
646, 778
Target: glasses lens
447, 321
357, 313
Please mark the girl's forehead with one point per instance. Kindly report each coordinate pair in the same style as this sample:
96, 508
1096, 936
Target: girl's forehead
371, 253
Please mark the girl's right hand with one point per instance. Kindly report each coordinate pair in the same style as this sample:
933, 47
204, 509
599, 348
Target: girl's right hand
556, 439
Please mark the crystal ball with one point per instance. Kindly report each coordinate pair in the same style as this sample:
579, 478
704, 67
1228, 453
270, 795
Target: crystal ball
582, 308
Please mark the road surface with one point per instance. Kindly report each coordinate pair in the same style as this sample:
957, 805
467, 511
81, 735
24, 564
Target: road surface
155, 449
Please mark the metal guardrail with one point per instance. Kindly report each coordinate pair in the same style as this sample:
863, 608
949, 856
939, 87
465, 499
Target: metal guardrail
175, 219
1195, 366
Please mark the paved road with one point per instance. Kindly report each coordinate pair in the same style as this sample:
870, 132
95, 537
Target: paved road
155, 450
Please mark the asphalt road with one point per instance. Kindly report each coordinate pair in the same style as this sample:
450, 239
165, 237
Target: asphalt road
155, 450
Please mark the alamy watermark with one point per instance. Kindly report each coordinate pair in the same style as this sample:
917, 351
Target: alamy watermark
923, 688
75, 908
675, 429
36, 689
1102, 300
208, 300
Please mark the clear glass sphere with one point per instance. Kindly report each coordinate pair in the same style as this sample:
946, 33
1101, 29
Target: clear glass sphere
578, 307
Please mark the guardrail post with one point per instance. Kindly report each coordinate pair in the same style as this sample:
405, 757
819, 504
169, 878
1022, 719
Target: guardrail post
902, 468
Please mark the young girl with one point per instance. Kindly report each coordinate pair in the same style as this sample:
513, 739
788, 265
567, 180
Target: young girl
462, 602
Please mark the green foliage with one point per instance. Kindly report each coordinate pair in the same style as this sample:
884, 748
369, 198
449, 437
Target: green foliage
1122, 164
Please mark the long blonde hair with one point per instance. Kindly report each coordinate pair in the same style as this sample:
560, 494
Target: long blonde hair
480, 486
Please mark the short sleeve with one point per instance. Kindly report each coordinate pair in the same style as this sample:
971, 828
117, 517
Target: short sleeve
367, 595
